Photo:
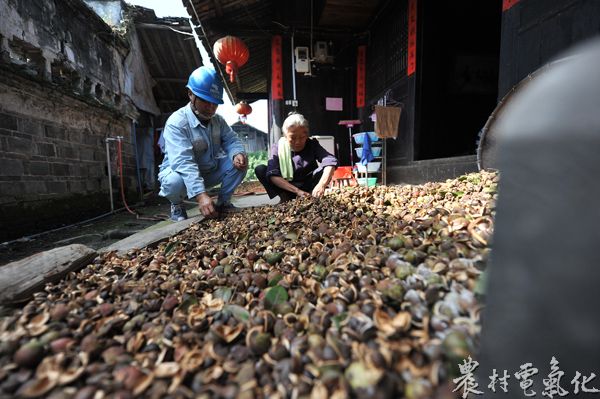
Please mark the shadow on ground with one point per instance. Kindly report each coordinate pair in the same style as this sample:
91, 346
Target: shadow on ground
107, 230
95, 234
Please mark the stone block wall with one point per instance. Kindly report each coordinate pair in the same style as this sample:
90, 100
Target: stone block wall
53, 168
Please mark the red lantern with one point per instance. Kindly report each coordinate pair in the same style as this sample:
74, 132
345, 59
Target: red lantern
231, 52
244, 109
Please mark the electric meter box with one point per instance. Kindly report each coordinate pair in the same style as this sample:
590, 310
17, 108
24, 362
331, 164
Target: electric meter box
302, 60
321, 51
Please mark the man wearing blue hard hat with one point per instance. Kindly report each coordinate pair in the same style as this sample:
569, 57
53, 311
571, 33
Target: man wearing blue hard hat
201, 151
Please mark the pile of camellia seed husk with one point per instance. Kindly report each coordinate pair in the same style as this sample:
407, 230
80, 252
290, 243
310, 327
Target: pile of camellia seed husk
366, 292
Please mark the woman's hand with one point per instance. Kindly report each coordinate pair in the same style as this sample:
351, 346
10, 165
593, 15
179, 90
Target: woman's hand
319, 190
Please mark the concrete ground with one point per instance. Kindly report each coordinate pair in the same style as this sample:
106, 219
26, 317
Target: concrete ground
120, 231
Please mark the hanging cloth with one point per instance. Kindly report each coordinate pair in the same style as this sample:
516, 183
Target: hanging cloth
388, 119
367, 154
284, 152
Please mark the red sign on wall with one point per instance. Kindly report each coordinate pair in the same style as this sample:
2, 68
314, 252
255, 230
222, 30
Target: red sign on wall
412, 37
276, 69
506, 4
361, 76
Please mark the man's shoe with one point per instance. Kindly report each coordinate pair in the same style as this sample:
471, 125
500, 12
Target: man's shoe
178, 213
224, 209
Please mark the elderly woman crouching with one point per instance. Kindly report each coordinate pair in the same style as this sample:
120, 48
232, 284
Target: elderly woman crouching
292, 170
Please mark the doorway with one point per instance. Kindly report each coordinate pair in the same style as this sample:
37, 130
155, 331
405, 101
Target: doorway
458, 85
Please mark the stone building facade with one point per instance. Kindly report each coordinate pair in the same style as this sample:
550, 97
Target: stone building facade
68, 81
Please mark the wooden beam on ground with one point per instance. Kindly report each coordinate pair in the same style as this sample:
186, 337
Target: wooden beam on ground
145, 238
21, 279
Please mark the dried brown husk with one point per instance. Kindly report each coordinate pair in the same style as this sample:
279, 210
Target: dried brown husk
379, 296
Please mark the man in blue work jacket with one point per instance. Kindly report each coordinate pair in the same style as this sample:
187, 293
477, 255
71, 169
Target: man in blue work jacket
201, 151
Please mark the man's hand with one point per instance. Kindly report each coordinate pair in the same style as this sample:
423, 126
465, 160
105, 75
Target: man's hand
206, 206
240, 161
301, 194
318, 191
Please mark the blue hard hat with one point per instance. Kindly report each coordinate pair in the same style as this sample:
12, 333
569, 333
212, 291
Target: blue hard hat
205, 83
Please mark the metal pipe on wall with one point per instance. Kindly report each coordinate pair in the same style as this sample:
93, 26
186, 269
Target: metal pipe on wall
293, 72
112, 203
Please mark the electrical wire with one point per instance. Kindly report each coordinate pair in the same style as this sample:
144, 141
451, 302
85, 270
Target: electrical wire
120, 166
71, 239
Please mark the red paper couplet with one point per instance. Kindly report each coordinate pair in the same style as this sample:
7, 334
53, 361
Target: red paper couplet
361, 75
412, 37
276, 69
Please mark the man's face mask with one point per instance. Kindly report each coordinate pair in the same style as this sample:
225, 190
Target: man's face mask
203, 109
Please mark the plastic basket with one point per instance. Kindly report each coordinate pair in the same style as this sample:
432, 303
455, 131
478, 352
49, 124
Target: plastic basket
369, 181
376, 151
359, 138
370, 167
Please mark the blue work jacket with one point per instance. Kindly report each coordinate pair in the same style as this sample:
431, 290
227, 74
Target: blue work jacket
192, 149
